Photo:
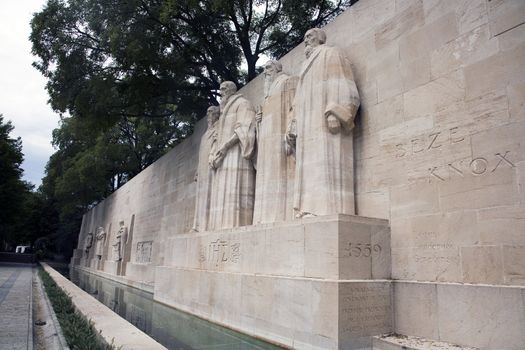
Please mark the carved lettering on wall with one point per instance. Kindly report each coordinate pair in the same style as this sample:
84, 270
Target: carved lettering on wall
427, 142
366, 310
362, 250
434, 259
475, 166
143, 254
220, 251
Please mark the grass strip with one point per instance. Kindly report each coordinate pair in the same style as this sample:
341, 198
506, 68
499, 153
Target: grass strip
78, 331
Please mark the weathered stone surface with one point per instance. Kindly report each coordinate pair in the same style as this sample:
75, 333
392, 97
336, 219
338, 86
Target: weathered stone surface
487, 317
435, 95
415, 300
295, 312
481, 316
482, 264
495, 72
415, 72
465, 49
505, 15
431, 36
403, 22
516, 95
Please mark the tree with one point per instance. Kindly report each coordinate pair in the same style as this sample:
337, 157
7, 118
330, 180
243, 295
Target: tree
150, 58
273, 27
14, 192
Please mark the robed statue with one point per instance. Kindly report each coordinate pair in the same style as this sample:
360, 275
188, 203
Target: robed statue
120, 241
325, 106
275, 171
233, 185
204, 174
100, 236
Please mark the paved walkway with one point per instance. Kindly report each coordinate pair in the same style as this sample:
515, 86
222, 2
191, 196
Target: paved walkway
16, 324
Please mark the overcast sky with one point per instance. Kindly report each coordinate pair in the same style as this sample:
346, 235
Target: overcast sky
23, 98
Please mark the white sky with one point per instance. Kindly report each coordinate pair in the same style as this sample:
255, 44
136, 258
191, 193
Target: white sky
23, 98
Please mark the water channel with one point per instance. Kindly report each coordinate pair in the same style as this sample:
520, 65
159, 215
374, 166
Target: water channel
172, 328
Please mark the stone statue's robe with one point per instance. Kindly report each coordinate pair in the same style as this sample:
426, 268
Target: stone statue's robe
101, 238
275, 171
204, 179
120, 240
324, 179
233, 185
88, 242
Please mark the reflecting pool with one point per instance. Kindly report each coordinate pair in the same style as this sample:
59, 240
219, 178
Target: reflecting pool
172, 328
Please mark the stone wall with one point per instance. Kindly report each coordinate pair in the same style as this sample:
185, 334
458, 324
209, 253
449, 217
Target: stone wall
440, 136
439, 142
156, 204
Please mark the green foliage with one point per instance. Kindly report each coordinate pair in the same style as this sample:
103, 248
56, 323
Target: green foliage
78, 331
109, 59
16, 198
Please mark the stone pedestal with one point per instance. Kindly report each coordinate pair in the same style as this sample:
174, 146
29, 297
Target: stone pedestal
141, 272
112, 267
317, 283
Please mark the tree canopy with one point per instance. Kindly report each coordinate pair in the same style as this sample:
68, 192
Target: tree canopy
156, 58
15, 194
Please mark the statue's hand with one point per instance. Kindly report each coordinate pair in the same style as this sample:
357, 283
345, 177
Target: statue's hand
258, 114
334, 125
217, 160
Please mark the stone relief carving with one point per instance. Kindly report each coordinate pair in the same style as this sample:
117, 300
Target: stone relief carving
100, 236
204, 174
143, 254
324, 179
120, 241
233, 185
274, 170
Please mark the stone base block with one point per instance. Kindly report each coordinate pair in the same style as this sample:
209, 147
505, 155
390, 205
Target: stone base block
302, 313
112, 267
482, 316
333, 247
141, 272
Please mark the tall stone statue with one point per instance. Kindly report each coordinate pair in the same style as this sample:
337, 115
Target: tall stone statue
274, 180
88, 242
325, 105
204, 174
100, 236
233, 185
120, 241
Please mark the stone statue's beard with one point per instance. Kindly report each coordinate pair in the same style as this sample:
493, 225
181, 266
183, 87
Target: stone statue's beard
308, 51
224, 100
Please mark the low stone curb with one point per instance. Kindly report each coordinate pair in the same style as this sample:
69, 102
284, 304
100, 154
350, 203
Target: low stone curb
58, 341
111, 327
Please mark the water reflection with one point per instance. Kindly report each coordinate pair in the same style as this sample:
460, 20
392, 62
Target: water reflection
172, 328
